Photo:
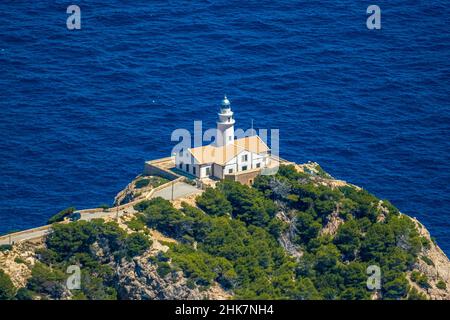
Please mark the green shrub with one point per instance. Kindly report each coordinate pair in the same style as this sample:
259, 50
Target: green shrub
249, 205
61, 215
85, 243
137, 223
203, 268
136, 244
427, 260
7, 289
79, 295
24, 294
141, 206
420, 279
47, 281
5, 247
75, 238
153, 181
19, 260
104, 206
441, 285
307, 227
214, 202
322, 173
9, 232
142, 183
414, 294
237, 239
163, 269
391, 208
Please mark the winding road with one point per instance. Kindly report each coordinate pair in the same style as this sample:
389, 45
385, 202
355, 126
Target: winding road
171, 192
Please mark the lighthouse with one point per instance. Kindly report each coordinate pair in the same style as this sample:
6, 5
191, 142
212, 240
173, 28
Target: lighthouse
239, 159
225, 124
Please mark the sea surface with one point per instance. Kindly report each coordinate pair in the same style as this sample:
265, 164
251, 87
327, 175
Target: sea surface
81, 110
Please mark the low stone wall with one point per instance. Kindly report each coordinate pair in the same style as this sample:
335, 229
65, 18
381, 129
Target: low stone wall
134, 202
158, 168
280, 160
244, 177
87, 211
84, 212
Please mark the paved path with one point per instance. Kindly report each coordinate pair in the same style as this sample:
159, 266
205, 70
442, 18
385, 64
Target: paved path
180, 189
42, 231
30, 234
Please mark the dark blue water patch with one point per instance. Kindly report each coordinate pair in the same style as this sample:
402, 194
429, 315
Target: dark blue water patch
80, 111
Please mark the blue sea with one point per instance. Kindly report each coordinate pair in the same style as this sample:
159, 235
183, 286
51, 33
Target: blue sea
81, 110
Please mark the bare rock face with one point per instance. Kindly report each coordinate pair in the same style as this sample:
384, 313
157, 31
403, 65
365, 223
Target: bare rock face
127, 194
18, 262
132, 192
434, 264
320, 176
139, 280
332, 225
286, 239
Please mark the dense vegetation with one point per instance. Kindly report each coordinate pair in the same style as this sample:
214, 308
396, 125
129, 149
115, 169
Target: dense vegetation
90, 245
152, 181
235, 235
232, 238
373, 233
61, 215
7, 289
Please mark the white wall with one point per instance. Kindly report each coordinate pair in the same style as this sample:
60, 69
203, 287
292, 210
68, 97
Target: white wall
238, 163
228, 167
203, 170
187, 158
218, 171
258, 158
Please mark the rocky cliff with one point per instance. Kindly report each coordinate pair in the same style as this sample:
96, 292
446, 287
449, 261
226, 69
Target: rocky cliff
140, 280
140, 277
435, 265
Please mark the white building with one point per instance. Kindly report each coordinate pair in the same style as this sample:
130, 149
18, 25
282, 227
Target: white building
228, 158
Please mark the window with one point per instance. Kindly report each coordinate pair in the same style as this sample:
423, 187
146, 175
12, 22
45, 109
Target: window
208, 171
244, 157
229, 138
187, 167
194, 169
181, 165
258, 165
180, 153
230, 170
244, 168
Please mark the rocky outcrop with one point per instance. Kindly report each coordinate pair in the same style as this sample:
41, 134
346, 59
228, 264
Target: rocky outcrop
18, 262
287, 237
333, 222
435, 265
132, 191
127, 194
139, 280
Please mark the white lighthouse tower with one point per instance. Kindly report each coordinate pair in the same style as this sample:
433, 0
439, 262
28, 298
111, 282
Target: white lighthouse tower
225, 125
